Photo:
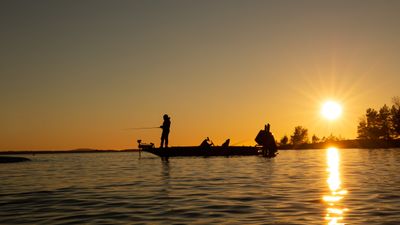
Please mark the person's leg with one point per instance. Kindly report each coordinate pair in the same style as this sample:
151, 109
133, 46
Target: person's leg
162, 141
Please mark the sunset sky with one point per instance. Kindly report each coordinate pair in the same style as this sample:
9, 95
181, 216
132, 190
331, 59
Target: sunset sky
76, 74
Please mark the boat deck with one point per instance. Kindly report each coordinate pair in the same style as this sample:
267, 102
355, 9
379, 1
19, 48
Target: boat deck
205, 152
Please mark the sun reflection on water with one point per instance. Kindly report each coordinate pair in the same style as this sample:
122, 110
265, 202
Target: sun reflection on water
334, 208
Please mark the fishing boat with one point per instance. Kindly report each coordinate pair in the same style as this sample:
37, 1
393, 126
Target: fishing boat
206, 152
266, 147
196, 151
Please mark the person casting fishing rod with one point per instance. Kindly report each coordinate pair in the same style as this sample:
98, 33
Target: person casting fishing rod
165, 130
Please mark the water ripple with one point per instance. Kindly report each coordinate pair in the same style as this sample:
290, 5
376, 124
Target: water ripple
118, 188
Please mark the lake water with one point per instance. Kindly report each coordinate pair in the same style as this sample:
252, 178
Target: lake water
345, 186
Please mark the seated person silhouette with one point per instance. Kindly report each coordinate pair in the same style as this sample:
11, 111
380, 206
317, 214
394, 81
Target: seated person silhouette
267, 141
206, 144
226, 143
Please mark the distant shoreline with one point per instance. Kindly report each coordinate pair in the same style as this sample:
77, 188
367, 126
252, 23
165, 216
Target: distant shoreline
350, 144
64, 151
361, 144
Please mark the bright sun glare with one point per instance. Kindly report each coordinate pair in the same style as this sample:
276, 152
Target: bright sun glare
331, 110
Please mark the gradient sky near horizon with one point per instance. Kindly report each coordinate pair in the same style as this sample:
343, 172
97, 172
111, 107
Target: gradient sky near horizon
75, 74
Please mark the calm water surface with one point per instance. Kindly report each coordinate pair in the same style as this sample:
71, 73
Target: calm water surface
328, 186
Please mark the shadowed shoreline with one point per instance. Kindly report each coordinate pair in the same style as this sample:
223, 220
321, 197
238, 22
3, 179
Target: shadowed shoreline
360, 144
64, 151
13, 159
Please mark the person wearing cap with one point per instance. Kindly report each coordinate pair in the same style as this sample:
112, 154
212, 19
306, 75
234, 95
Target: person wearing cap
165, 131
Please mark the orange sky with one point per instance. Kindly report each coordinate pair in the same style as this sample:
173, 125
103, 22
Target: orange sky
76, 74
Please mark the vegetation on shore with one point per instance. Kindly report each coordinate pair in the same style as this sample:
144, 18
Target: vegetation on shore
376, 129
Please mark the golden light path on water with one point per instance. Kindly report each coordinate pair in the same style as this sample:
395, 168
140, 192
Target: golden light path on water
335, 210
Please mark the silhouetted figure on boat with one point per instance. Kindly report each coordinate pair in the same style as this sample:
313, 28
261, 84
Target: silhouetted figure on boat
267, 141
165, 131
226, 143
206, 144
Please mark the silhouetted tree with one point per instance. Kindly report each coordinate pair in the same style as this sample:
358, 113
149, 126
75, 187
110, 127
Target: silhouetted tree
362, 129
385, 123
332, 138
300, 136
369, 125
284, 140
395, 114
315, 139
382, 124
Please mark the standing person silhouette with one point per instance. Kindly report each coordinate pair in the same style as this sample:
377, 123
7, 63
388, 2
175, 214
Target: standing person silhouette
165, 131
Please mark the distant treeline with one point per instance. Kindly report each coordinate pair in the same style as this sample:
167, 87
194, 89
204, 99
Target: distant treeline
376, 129
81, 150
346, 144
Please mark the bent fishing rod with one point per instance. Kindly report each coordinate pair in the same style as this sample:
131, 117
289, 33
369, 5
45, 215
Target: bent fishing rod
141, 128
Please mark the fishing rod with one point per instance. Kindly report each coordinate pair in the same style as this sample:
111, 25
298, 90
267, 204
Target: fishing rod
141, 128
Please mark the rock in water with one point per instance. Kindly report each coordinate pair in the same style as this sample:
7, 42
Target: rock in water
12, 159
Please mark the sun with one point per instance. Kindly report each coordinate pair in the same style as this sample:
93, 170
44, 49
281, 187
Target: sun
331, 110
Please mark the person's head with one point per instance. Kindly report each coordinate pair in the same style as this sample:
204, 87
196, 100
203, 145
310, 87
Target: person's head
165, 117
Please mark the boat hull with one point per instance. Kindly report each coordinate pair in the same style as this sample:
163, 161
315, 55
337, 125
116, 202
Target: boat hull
205, 152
